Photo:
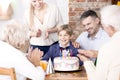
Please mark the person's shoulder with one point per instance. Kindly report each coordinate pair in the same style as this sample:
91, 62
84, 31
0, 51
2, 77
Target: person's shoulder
83, 34
53, 6
54, 44
104, 34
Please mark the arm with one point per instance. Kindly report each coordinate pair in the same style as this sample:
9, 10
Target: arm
51, 30
30, 69
48, 54
34, 33
34, 56
89, 53
100, 72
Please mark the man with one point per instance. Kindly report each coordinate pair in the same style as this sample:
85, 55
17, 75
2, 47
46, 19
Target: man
13, 38
108, 61
94, 37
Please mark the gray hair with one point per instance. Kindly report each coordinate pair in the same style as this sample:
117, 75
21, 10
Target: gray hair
110, 15
14, 34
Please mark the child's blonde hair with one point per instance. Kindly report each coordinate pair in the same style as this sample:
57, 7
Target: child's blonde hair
67, 28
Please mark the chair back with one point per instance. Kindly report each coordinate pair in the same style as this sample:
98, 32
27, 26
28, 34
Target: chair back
8, 71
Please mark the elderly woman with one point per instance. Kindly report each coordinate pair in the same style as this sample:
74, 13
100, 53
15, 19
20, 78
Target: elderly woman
108, 62
25, 66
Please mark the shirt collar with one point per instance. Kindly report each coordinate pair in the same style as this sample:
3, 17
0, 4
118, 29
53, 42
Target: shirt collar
62, 46
98, 35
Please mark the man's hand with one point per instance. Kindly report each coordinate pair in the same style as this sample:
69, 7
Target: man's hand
34, 56
76, 44
89, 53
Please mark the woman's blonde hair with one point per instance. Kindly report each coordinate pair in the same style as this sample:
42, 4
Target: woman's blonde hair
14, 34
31, 13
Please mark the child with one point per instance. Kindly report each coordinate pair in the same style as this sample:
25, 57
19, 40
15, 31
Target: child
63, 47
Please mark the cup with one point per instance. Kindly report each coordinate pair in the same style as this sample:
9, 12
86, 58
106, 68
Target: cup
44, 64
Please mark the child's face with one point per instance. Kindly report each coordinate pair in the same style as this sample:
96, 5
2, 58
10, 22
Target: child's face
64, 38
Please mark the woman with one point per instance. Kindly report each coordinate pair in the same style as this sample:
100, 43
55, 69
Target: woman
13, 38
42, 20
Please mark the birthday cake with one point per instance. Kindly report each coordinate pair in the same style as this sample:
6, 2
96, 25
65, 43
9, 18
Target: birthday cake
66, 63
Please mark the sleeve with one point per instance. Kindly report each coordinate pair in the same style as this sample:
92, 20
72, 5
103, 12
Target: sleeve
100, 71
114, 73
48, 54
90, 69
24, 67
79, 39
27, 23
59, 20
26, 18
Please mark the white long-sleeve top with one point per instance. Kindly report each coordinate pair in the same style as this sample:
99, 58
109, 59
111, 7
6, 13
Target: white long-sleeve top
11, 57
52, 19
108, 62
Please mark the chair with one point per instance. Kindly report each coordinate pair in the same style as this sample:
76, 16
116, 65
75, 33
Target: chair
8, 71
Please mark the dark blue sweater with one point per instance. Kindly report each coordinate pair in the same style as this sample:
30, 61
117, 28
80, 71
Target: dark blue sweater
54, 51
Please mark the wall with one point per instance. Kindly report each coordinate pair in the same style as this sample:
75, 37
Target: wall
18, 6
76, 7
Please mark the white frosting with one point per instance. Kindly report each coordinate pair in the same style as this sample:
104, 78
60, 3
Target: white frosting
66, 63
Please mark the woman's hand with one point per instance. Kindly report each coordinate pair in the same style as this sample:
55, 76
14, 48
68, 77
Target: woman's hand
50, 30
34, 56
35, 33
89, 53
47, 34
38, 34
83, 57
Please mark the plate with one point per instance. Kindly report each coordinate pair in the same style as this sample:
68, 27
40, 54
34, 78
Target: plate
69, 70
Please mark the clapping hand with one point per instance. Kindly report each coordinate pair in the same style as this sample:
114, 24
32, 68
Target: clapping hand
46, 34
34, 56
38, 34
35, 33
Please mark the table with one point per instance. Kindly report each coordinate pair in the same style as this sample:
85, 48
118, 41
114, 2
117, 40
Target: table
74, 75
